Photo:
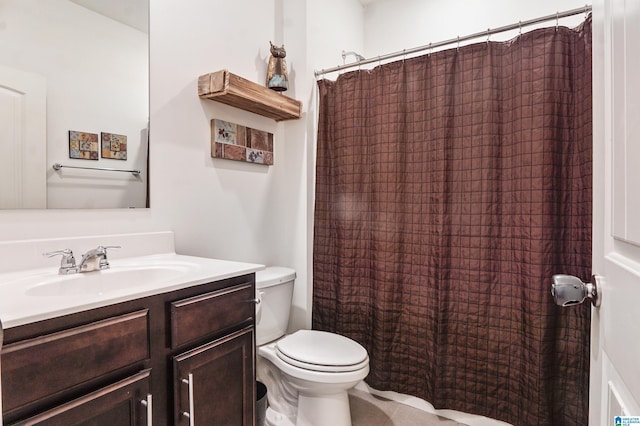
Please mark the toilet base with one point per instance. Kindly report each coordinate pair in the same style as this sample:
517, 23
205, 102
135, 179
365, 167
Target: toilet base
273, 418
319, 410
322, 410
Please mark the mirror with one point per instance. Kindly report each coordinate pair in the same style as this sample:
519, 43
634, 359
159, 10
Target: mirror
74, 91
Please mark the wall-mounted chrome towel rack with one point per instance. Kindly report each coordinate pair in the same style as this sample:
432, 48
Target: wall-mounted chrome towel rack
58, 166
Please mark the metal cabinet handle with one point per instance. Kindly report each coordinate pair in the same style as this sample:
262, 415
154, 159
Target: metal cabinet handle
189, 414
149, 404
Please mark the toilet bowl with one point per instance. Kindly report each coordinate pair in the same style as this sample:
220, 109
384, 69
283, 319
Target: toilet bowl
307, 373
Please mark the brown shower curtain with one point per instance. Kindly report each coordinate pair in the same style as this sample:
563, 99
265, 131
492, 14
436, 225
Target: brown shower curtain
450, 188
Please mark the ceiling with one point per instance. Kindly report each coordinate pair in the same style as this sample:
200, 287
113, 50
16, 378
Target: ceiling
134, 13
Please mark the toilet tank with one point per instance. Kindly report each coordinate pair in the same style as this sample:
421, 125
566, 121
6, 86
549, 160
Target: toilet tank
274, 290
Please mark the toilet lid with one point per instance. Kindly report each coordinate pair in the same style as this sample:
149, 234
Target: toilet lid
322, 351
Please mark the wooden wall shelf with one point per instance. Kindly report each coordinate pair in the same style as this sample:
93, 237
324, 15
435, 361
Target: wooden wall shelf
228, 88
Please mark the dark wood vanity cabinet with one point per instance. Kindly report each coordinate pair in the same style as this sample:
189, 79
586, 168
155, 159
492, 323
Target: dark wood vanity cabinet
139, 362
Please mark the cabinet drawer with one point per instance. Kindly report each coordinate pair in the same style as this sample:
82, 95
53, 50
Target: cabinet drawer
125, 403
201, 316
44, 366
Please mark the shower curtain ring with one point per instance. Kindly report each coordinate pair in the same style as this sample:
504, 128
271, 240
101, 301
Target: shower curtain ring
519, 27
557, 20
488, 34
458, 46
404, 54
429, 49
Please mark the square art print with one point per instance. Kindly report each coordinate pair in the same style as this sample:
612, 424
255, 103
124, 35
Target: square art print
83, 145
114, 146
235, 142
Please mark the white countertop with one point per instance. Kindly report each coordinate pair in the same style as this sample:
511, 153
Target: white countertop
39, 294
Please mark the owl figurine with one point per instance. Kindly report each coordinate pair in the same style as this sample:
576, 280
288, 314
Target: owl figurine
277, 74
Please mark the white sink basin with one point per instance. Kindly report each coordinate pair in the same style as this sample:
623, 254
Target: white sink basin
102, 282
38, 294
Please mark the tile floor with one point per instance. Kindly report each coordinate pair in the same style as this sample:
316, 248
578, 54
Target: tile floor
372, 410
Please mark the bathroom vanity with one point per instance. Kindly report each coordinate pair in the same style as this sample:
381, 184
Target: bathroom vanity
179, 352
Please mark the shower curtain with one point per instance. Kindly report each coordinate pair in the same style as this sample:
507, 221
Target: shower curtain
450, 188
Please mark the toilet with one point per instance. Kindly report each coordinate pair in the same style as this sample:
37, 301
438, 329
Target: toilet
307, 373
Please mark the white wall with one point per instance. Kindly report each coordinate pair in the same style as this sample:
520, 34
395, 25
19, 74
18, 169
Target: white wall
96, 75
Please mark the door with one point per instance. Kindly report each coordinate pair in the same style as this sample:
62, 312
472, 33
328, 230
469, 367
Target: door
214, 384
125, 403
615, 330
23, 140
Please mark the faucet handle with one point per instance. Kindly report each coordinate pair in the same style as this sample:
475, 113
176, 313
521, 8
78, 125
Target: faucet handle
68, 261
104, 263
103, 249
67, 254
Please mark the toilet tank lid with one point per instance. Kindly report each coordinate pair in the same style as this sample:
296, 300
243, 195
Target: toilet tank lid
273, 275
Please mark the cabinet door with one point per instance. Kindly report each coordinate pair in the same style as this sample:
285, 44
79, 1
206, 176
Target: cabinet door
214, 384
127, 402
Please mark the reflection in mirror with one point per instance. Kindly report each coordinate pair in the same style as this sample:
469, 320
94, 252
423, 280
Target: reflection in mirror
70, 67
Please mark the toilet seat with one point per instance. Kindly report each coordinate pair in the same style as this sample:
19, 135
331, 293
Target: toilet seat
322, 351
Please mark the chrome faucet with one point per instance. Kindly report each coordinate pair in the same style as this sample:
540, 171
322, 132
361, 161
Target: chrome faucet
68, 262
95, 259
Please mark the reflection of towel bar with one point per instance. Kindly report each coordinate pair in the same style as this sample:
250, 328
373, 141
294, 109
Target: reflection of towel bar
58, 166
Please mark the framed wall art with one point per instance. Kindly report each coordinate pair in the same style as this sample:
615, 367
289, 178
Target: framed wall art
83, 145
232, 141
114, 146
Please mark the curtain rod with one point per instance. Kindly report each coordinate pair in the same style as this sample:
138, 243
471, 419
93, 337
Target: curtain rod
457, 40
